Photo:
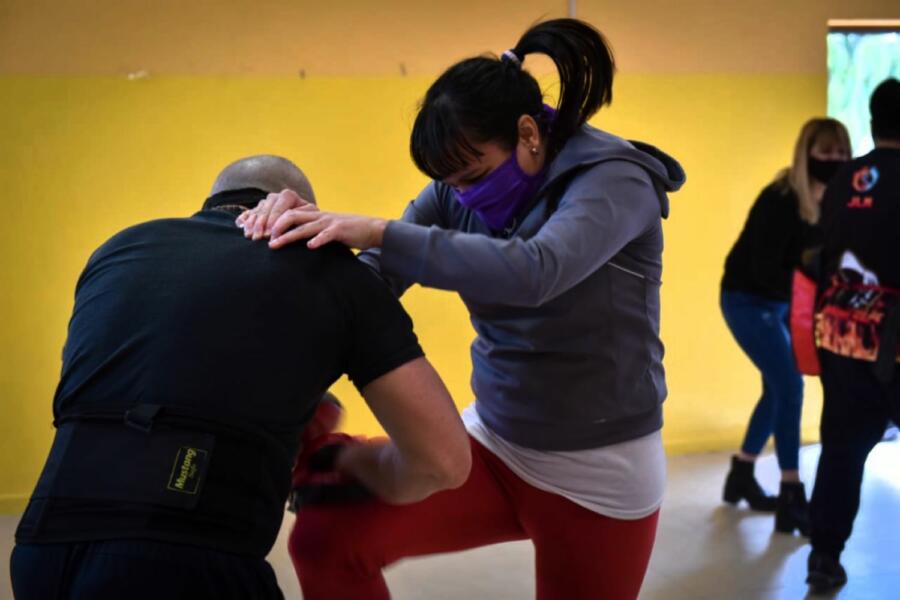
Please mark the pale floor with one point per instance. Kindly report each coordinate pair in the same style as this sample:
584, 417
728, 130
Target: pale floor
704, 550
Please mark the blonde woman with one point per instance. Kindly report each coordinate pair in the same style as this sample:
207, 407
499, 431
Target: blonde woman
755, 299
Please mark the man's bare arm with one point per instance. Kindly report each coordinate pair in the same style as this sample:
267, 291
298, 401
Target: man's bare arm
428, 450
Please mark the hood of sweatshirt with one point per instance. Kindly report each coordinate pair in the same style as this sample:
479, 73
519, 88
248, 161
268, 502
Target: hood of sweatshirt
591, 146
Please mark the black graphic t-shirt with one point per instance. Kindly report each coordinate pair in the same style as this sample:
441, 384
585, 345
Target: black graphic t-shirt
861, 257
861, 213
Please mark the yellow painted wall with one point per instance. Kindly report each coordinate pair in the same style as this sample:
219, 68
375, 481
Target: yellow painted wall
368, 37
84, 157
84, 152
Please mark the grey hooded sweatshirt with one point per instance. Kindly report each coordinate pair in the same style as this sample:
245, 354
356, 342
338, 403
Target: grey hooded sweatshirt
565, 301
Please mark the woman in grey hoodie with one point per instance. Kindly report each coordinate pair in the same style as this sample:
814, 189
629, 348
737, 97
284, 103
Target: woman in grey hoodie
550, 231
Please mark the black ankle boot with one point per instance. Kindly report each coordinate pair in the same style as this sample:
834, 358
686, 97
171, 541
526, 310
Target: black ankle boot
792, 510
741, 484
824, 573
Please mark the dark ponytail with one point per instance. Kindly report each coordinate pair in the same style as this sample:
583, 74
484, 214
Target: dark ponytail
481, 99
585, 65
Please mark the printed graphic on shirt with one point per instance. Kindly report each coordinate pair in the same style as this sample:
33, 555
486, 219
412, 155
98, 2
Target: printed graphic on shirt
863, 181
853, 311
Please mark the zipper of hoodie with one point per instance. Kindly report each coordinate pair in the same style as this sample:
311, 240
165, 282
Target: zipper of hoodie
635, 273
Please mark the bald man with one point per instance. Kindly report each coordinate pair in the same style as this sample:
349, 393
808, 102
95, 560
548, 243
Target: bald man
193, 361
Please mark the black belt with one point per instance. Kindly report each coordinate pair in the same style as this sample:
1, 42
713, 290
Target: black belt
162, 473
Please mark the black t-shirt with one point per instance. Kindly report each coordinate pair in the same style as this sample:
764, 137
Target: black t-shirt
763, 258
187, 312
861, 213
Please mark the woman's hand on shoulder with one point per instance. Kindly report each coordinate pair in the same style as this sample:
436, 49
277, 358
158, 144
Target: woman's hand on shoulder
257, 223
321, 228
286, 218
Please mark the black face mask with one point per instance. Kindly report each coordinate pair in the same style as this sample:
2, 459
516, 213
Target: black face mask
823, 170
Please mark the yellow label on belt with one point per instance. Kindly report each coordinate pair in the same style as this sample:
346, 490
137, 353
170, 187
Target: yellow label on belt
186, 471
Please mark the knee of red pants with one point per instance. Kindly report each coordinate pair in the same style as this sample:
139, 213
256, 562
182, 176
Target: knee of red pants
334, 540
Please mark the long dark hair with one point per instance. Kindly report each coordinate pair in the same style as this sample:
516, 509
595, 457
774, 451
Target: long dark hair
481, 99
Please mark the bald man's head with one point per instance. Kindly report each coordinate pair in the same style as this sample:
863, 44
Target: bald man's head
263, 172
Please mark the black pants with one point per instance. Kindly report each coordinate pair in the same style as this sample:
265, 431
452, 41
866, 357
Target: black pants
855, 411
137, 570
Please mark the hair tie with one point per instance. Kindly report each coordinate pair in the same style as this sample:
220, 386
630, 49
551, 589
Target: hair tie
510, 56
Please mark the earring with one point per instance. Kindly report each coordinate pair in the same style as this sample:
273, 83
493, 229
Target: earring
534, 150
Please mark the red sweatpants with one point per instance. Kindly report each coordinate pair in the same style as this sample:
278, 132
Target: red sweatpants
339, 551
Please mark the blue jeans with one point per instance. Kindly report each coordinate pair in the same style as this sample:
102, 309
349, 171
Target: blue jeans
760, 328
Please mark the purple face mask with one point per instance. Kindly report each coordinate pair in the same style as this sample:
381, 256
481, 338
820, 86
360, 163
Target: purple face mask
500, 195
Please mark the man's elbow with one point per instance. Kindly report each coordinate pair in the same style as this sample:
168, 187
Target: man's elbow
449, 470
456, 472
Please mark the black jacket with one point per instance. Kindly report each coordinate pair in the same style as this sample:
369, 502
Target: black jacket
763, 258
